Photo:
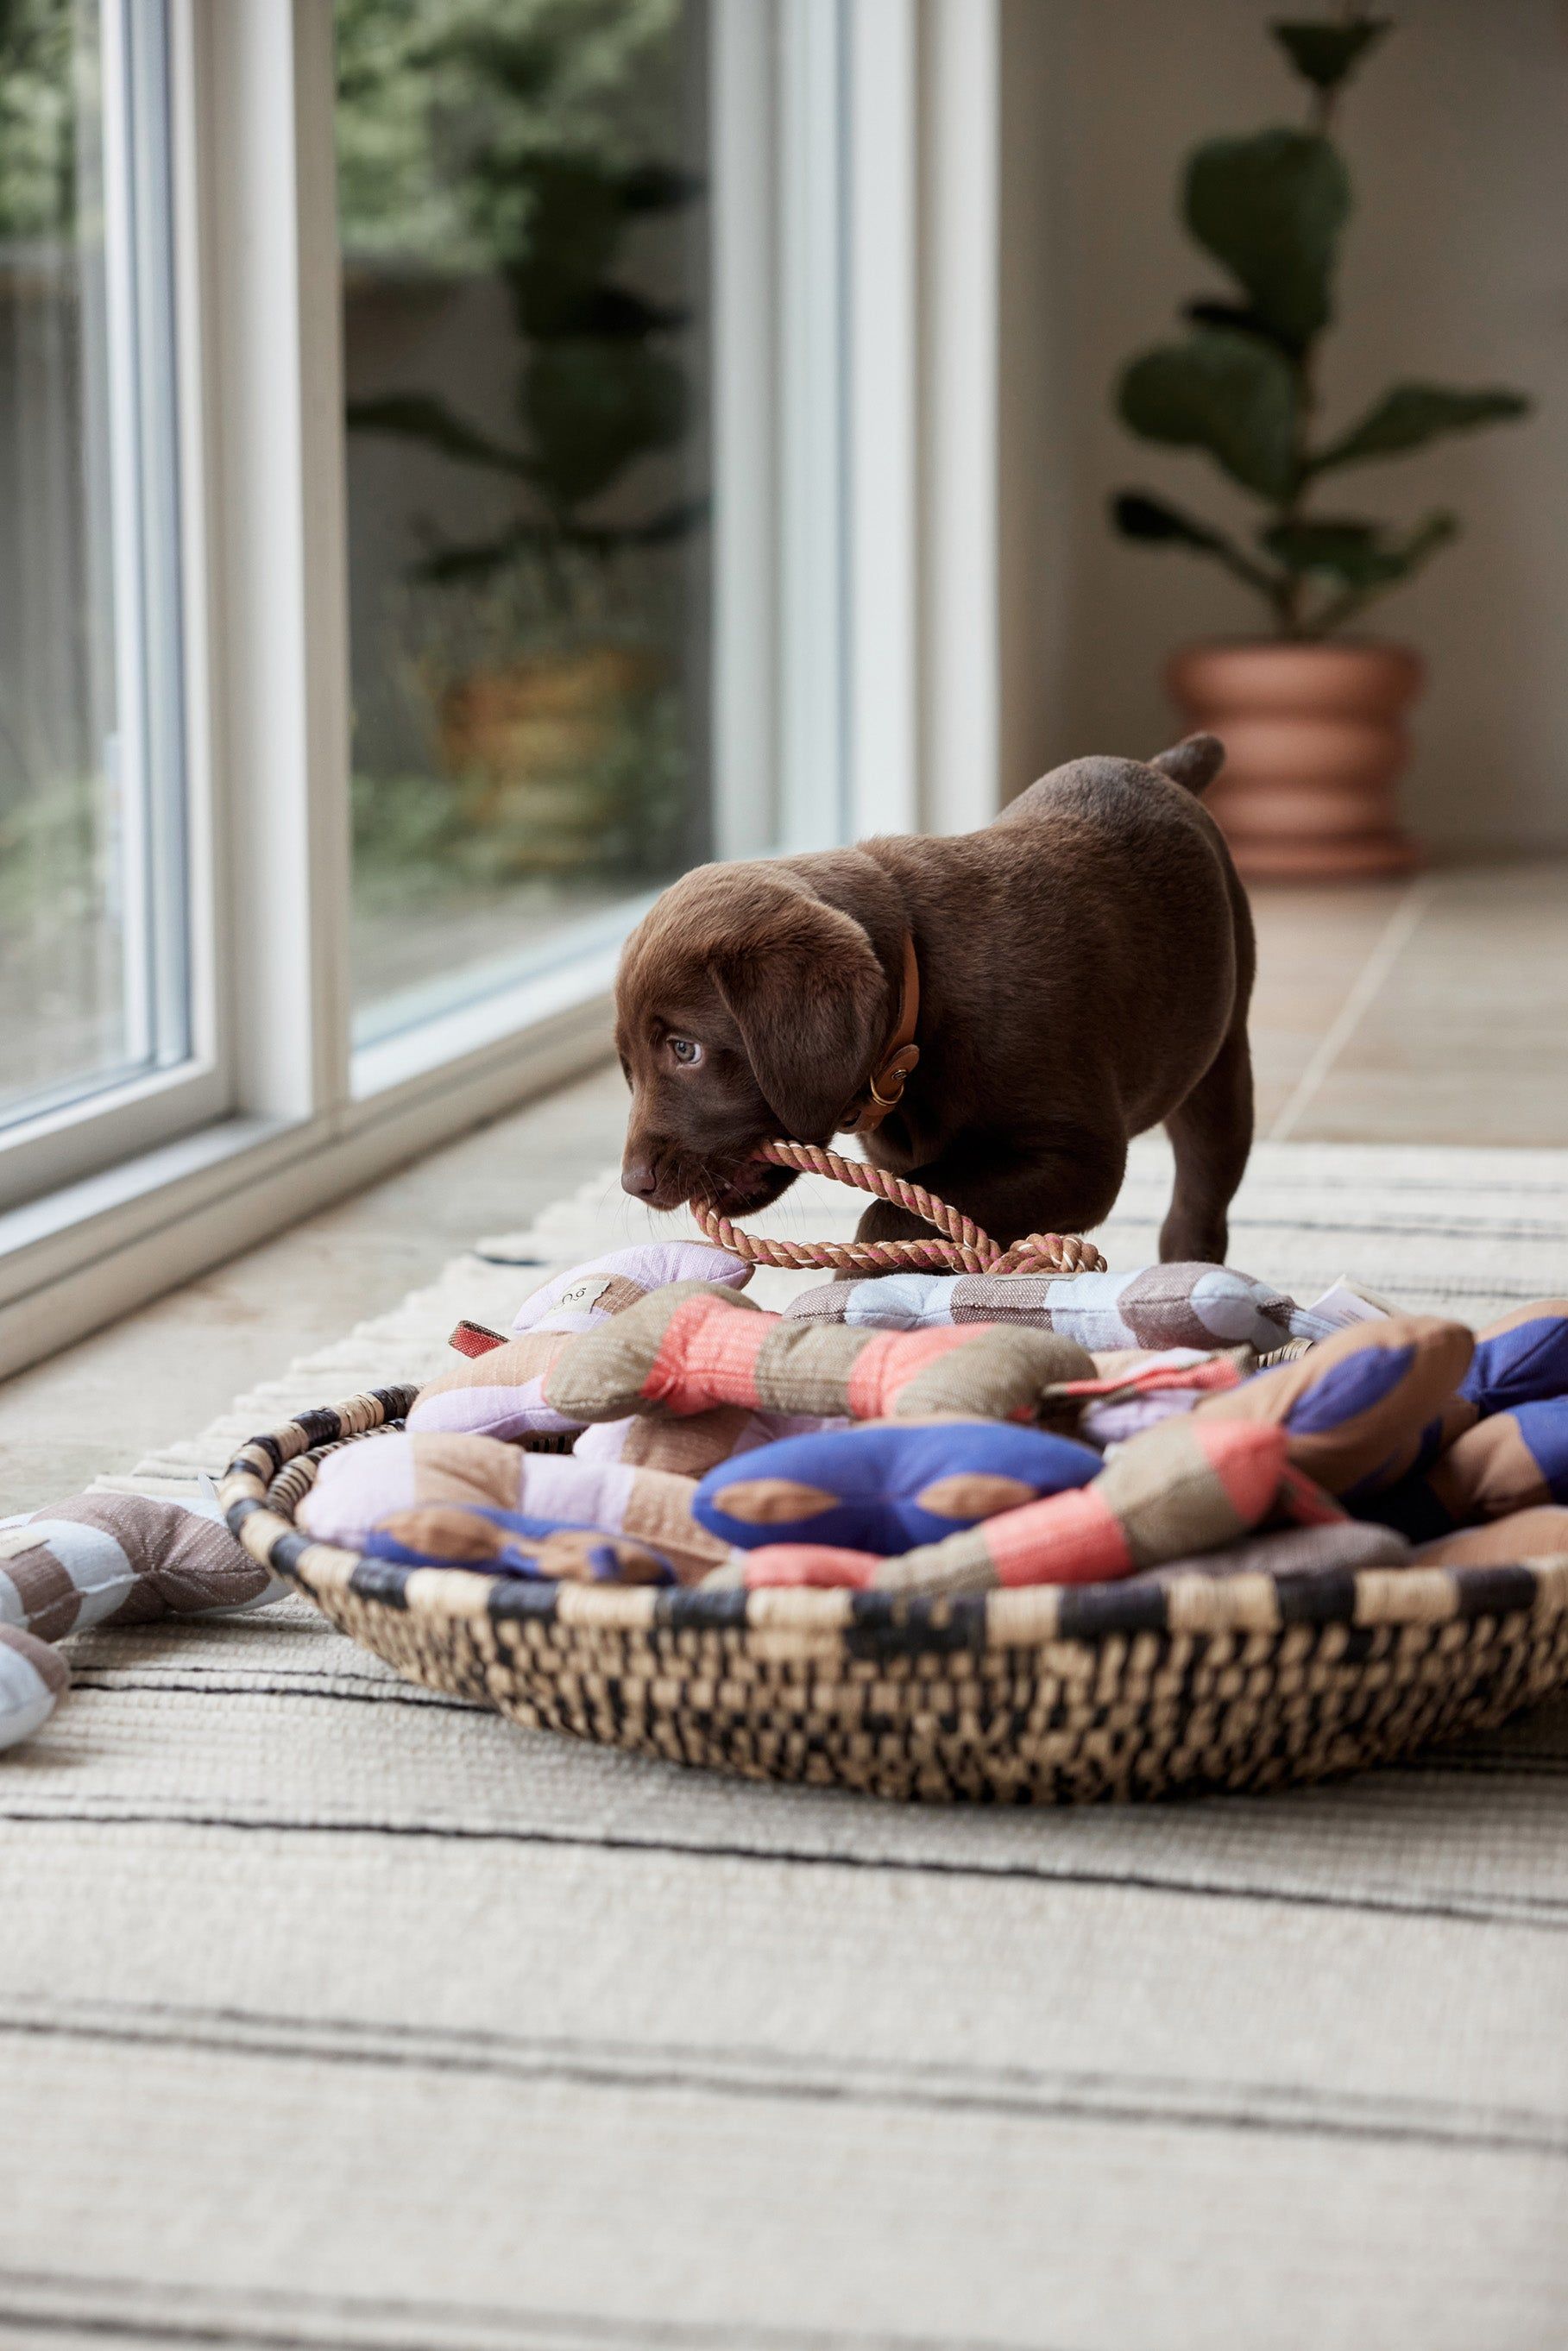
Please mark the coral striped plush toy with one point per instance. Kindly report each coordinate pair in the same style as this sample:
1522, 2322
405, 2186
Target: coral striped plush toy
684, 1350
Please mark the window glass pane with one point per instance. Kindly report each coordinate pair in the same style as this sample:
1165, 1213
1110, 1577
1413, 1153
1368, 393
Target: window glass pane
522, 203
93, 896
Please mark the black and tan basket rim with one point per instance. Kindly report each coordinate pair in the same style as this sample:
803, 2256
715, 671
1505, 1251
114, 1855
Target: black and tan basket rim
1025, 1616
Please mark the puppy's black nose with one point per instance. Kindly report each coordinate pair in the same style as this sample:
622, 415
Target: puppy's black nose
639, 1177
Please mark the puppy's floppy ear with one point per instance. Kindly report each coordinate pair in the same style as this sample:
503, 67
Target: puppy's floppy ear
804, 988
1193, 763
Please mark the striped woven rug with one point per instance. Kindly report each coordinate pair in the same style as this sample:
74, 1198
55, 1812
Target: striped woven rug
335, 2012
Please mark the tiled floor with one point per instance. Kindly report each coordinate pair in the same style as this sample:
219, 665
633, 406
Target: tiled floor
1431, 1011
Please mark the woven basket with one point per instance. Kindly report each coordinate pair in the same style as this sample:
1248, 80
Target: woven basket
1046, 1695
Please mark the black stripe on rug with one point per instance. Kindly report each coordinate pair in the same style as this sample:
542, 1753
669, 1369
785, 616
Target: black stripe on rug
1542, 1914
1015, 2093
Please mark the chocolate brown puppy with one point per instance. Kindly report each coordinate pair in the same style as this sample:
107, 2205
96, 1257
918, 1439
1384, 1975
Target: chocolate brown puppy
1071, 974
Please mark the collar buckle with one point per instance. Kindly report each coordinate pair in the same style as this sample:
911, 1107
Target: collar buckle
884, 1088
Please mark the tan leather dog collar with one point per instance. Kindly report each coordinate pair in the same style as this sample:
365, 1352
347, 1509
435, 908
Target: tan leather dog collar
884, 1087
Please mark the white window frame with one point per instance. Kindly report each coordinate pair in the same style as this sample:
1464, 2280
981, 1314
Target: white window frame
119, 1118
856, 679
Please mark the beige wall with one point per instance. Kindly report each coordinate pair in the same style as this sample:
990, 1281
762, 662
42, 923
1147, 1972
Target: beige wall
1457, 270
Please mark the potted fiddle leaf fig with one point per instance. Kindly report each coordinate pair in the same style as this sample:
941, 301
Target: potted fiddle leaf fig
1311, 717
528, 183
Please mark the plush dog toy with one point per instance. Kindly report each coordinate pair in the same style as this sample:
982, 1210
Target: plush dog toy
888, 1485
880, 1441
107, 1558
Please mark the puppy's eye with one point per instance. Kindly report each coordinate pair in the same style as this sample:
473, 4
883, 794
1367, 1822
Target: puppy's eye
686, 1050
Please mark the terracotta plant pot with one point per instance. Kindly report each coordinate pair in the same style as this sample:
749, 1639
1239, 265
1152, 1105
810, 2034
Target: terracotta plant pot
546, 715
1315, 740
524, 743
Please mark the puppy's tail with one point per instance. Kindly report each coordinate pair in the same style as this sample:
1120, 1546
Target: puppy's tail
1193, 763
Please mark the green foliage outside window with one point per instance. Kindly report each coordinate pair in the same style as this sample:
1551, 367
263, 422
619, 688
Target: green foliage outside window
37, 119
522, 139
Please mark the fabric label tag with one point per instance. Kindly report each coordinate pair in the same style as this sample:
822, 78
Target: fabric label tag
581, 1295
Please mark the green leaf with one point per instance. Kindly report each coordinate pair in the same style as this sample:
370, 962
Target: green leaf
478, 562
1208, 312
659, 188
1327, 54
1270, 208
1136, 515
1156, 522
1423, 541
1400, 561
1355, 553
594, 407
576, 220
1230, 393
414, 416
1411, 415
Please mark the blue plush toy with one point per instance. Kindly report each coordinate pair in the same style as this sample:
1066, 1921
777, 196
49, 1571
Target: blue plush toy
511, 1542
884, 1489
1524, 1359
1501, 1444
1510, 1461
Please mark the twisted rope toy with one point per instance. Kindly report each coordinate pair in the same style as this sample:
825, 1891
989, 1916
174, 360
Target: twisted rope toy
964, 1249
